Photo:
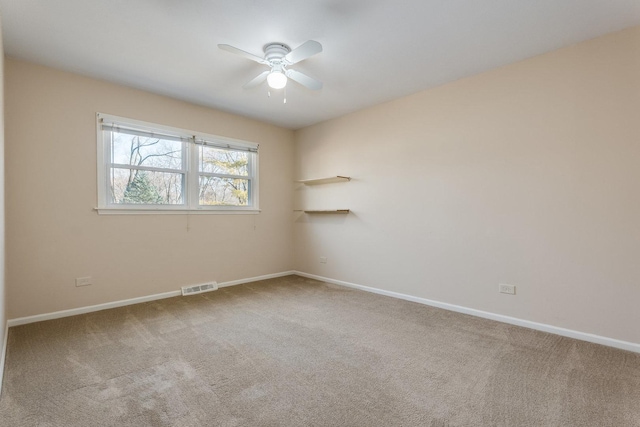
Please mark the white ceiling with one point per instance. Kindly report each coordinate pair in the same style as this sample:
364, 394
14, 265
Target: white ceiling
374, 50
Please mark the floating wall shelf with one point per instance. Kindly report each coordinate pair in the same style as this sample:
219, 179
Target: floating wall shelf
329, 180
332, 211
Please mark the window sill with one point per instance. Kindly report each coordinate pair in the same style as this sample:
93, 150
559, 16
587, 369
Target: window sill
148, 211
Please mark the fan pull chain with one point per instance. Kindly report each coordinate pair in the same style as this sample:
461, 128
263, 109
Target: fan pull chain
285, 95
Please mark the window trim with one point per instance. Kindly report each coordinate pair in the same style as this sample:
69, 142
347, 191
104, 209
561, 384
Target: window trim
192, 142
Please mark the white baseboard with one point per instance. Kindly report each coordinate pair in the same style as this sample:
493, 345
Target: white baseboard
88, 309
255, 279
4, 354
597, 339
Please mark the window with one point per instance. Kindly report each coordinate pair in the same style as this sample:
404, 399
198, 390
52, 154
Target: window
146, 167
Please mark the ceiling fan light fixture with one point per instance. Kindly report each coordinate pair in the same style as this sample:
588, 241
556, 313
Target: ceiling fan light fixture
278, 57
276, 79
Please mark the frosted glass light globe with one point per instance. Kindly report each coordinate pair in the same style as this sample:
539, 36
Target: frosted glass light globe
276, 80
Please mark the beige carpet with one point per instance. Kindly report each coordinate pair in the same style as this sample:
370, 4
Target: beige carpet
297, 352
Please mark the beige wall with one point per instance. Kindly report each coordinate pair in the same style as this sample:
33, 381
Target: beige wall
54, 235
527, 175
3, 308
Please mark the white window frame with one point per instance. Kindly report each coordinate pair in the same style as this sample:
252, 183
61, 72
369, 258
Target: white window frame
190, 169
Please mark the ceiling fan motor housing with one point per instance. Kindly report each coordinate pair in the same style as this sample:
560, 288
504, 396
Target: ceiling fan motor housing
274, 52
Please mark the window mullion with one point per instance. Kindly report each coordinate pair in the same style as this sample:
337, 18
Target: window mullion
194, 181
185, 176
250, 169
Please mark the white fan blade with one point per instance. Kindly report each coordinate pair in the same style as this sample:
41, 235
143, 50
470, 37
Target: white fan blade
304, 51
256, 80
304, 80
242, 53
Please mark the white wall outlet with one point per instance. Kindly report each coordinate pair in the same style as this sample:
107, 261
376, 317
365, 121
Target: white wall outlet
323, 260
83, 281
507, 289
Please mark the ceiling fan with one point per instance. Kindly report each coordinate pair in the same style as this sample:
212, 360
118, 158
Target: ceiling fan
279, 56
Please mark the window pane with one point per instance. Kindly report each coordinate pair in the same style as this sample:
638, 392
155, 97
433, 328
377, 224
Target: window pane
223, 191
129, 186
143, 151
216, 160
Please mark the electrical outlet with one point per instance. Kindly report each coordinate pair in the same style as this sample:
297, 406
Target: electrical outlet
507, 289
323, 260
83, 281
